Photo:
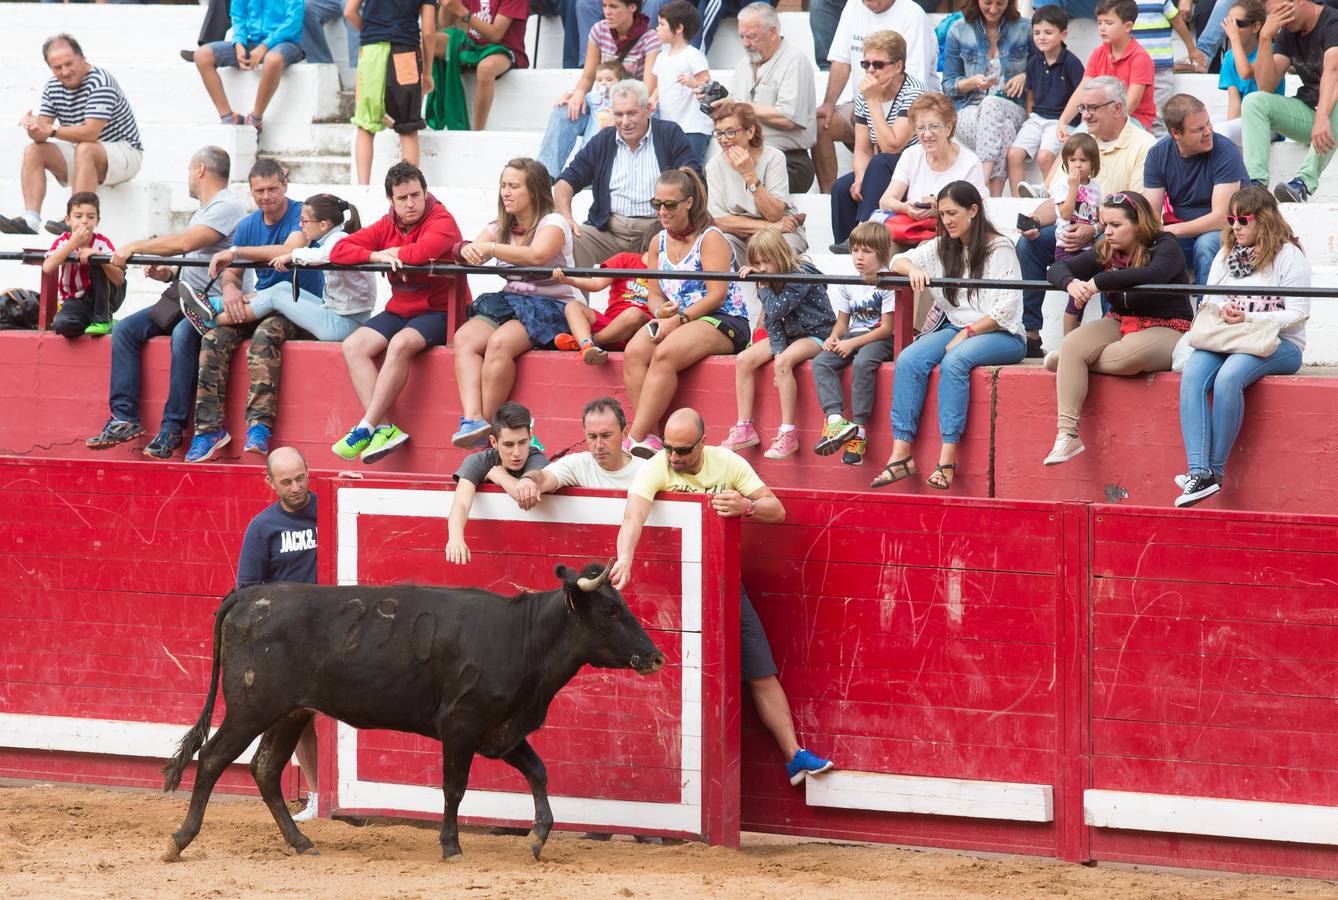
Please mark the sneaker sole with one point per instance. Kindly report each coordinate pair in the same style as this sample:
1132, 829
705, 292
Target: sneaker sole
772, 455
222, 442
256, 449
165, 454
393, 444
465, 440
798, 777
828, 446
92, 444
1053, 460
1284, 194
756, 442
644, 452
1183, 501
852, 462
595, 357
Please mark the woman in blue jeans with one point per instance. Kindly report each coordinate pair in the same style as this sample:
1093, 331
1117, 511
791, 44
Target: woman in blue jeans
1259, 251
964, 329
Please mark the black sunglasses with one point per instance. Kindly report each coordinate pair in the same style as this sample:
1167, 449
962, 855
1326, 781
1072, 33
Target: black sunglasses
877, 65
683, 451
670, 205
1243, 23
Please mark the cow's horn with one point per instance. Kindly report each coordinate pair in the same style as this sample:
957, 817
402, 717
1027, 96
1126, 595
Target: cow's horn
592, 584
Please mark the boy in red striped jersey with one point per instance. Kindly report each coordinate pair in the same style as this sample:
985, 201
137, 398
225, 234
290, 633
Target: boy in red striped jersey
80, 312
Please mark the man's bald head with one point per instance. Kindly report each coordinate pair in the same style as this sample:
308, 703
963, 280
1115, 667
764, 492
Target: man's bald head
286, 472
685, 426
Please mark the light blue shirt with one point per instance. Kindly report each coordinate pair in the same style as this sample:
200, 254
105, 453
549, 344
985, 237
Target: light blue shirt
632, 180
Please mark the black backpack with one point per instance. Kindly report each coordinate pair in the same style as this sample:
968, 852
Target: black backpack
19, 309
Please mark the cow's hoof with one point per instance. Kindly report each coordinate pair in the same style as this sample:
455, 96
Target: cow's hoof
308, 850
451, 856
536, 844
172, 853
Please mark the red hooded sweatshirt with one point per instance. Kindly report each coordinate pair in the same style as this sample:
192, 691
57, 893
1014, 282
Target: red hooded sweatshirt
435, 237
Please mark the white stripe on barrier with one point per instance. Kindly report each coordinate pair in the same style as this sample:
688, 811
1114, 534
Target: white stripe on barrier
1216, 816
687, 814
107, 737
932, 796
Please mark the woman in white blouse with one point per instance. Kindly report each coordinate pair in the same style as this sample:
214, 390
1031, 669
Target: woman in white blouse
1259, 251
935, 161
964, 328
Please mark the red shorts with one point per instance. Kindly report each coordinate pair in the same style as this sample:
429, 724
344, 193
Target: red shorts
605, 318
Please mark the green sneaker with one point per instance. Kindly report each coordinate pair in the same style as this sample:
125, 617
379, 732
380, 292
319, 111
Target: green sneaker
350, 445
97, 328
385, 439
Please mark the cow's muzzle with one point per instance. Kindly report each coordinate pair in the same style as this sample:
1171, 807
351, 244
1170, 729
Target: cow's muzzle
647, 666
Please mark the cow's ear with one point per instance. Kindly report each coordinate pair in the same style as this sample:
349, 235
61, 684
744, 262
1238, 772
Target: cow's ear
565, 575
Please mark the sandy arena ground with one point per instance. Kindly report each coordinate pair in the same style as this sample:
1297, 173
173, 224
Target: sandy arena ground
78, 842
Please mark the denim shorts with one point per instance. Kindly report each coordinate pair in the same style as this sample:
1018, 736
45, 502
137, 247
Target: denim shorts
543, 317
225, 53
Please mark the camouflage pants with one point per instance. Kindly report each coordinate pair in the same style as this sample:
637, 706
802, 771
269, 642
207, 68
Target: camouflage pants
263, 360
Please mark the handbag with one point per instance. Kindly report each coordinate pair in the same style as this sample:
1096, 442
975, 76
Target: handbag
1257, 337
909, 231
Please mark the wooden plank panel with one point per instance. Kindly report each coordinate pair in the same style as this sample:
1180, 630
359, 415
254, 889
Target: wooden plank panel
1007, 551
1173, 563
792, 646
1208, 706
1270, 748
1192, 779
928, 723
143, 574
1254, 640
29, 602
576, 543
1196, 852
908, 685
963, 617
863, 581
1182, 676
1253, 603
1216, 529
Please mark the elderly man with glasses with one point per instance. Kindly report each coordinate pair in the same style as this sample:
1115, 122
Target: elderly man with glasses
1124, 148
620, 165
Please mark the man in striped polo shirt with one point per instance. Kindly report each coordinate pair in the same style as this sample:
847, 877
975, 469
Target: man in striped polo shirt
84, 133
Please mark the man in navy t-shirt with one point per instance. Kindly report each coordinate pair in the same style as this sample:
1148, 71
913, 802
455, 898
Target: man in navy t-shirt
273, 229
280, 545
1196, 173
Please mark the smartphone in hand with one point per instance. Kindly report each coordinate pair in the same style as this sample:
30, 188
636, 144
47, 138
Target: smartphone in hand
923, 205
654, 328
1027, 223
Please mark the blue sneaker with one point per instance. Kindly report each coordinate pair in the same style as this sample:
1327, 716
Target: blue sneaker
206, 445
804, 764
1293, 191
471, 433
257, 439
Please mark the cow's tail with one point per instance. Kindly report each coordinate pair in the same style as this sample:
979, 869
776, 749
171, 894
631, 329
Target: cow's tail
194, 739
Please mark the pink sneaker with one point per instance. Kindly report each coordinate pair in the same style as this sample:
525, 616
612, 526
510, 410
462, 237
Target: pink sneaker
786, 442
741, 436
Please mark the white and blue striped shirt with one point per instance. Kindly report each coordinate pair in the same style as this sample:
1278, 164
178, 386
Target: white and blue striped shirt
632, 180
98, 96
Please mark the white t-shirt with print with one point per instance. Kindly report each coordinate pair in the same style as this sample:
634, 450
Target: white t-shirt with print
581, 470
677, 103
864, 303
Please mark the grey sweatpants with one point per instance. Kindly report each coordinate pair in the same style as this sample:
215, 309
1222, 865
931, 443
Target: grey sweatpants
827, 368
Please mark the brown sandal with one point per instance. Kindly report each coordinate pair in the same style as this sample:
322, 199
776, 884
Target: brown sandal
941, 472
889, 474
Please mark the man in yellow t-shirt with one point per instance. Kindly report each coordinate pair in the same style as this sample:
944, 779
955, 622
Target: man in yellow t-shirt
687, 465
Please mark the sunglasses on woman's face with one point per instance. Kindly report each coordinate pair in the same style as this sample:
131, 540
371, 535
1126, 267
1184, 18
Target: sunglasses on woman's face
670, 205
1241, 220
877, 65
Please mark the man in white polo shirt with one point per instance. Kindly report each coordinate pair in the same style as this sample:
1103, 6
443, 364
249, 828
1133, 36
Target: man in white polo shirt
84, 133
604, 465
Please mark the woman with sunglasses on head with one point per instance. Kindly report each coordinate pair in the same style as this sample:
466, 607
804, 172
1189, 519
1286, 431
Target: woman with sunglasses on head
1139, 332
1259, 251
882, 130
748, 183
964, 329
985, 75
691, 318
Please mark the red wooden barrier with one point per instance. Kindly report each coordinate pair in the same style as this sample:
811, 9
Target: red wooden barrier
1057, 679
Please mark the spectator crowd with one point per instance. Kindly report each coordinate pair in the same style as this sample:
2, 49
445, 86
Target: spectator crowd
1137, 187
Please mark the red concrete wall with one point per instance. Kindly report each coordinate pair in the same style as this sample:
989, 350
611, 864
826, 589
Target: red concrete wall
54, 393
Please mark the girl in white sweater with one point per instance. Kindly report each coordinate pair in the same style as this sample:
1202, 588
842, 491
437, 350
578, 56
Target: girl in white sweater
1259, 251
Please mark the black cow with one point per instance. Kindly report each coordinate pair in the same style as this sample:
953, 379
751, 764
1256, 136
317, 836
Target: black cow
471, 668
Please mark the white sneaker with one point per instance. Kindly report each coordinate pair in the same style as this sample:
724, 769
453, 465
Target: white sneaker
309, 811
1066, 447
1052, 361
1035, 191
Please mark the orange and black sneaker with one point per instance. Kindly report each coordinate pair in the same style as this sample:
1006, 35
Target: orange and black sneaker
566, 342
852, 454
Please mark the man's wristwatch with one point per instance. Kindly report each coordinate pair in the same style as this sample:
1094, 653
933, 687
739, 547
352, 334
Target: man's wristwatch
752, 188
683, 318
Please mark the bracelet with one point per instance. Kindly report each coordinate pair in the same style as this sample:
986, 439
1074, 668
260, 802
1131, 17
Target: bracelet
749, 507
970, 332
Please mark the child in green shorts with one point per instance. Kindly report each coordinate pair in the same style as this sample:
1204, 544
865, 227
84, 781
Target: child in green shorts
391, 78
